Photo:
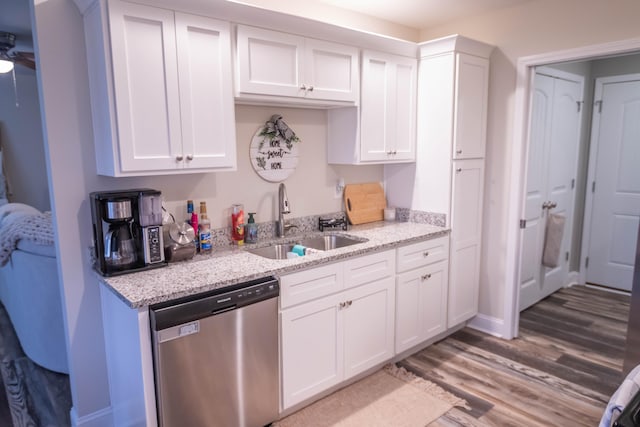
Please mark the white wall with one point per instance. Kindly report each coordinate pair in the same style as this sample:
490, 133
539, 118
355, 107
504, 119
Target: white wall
533, 28
69, 148
21, 138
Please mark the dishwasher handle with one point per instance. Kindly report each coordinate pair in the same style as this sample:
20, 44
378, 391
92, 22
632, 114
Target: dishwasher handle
172, 313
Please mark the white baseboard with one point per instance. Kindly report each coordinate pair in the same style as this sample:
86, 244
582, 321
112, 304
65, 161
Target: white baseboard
101, 418
487, 324
573, 278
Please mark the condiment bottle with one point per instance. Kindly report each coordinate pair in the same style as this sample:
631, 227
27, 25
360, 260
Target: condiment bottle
251, 230
237, 223
194, 222
204, 229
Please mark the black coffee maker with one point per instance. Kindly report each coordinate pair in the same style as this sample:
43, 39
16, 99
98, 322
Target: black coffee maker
127, 230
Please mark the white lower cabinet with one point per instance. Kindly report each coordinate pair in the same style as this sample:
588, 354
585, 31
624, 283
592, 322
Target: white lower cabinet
421, 292
312, 347
368, 326
339, 320
327, 340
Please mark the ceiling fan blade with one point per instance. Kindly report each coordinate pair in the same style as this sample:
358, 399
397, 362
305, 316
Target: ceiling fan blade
26, 59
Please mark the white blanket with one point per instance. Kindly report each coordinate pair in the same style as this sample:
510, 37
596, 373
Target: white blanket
19, 221
621, 397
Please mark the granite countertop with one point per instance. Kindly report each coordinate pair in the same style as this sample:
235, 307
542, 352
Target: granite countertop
226, 267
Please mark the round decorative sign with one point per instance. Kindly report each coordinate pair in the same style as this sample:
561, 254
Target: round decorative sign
274, 150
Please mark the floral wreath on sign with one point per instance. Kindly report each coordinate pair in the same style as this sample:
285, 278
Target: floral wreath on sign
273, 150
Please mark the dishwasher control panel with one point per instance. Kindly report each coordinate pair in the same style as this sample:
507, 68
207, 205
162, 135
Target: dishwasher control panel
192, 308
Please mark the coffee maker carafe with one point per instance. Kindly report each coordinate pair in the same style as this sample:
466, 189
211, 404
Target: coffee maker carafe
119, 245
127, 231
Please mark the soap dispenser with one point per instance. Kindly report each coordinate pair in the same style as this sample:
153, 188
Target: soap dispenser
251, 232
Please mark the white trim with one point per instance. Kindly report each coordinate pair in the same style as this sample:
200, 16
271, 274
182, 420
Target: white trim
518, 159
487, 324
573, 278
591, 168
101, 418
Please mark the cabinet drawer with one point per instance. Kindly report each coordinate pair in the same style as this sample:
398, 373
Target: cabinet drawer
368, 268
423, 253
306, 285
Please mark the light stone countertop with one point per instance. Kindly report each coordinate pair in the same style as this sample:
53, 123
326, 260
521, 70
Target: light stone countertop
231, 266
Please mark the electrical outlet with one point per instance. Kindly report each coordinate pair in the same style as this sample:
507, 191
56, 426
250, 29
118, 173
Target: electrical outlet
339, 189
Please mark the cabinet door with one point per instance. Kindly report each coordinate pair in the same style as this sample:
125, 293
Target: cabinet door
145, 76
421, 301
269, 62
466, 233
388, 107
403, 109
206, 94
331, 71
368, 313
312, 349
470, 113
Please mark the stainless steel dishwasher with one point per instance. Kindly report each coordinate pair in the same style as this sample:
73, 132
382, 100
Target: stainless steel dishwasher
216, 357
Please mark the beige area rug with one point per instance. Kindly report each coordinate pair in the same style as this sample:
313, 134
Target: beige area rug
389, 397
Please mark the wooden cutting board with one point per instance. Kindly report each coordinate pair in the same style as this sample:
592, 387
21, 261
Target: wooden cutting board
364, 202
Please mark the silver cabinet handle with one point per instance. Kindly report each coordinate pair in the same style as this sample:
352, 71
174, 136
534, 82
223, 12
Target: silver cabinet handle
425, 253
349, 303
553, 205
342, 304
310, 89
426, 277
459, 151
459, 170
303, 87
179, 158
189, 157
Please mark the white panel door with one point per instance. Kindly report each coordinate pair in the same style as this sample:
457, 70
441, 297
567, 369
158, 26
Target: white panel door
374, 121
269, 62
421, 305
534, 215
147, 100
553, 152
466, 234
331, 71
368, 325
470, 113
206, 94
616, 200
404, 106
388, 107
312, 349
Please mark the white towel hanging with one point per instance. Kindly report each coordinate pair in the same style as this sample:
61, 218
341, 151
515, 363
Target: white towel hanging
553, 240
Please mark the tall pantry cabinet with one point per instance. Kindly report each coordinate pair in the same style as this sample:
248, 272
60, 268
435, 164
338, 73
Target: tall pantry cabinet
448, 177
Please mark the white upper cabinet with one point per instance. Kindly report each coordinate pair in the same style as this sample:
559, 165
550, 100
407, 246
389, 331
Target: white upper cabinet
383, 129
388, 108
166, 104
296, 69
470, 115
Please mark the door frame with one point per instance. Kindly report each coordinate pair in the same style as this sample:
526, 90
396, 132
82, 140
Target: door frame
553, 73
519, 160
591, 169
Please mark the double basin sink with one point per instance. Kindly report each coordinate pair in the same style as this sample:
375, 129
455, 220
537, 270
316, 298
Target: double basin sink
322, 243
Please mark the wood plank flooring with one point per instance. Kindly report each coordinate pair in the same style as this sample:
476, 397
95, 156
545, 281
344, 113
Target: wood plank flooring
560, 371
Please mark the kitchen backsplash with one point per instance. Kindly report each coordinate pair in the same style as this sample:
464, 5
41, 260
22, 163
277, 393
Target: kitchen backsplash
267, 230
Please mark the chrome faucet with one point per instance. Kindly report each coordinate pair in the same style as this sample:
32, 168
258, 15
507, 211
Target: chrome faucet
283, 208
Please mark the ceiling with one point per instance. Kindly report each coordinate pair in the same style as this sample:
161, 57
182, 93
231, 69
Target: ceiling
422, 14
417, 14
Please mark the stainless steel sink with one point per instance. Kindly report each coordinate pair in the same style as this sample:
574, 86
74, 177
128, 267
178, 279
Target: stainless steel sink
330, 241
278, 251
322, 243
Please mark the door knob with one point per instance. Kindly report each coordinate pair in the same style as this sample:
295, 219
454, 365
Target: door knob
189, 157
179, 158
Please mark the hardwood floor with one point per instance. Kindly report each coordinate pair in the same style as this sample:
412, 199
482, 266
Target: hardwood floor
560, 371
